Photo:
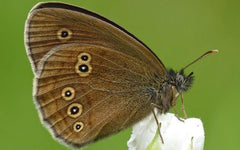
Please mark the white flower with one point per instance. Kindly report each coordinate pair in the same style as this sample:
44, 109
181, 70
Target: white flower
177, 135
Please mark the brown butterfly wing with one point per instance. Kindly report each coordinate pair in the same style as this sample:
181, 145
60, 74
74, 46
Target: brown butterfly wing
83, 100
46, 22
110, 96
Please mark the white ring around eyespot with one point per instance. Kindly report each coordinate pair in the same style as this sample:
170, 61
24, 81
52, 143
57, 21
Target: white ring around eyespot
79, 106
70, 89
59, 34
78, 123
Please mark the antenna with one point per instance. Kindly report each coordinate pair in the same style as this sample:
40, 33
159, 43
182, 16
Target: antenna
205, 54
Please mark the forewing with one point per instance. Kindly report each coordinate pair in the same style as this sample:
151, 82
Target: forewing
47, 23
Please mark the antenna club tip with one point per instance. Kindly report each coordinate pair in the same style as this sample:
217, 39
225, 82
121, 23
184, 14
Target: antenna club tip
214, 51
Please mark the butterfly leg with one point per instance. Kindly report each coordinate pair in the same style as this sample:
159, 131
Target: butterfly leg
174, 104
175, 112
155, 116
182, 106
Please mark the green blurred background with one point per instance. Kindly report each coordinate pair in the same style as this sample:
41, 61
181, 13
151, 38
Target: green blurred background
177, 31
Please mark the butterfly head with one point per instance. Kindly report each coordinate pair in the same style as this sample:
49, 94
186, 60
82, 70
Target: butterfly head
179, 80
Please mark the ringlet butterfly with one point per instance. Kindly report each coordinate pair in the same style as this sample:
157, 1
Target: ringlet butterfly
92, 78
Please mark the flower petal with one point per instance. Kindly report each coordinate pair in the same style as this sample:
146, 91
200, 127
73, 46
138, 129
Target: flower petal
180, 135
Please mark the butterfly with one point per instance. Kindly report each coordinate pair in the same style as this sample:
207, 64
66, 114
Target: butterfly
92, 78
